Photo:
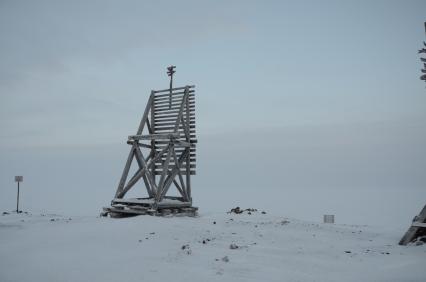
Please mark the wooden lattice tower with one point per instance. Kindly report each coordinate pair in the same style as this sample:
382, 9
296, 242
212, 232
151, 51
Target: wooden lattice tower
167, 135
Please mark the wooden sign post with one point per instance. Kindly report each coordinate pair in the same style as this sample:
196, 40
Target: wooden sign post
18, 179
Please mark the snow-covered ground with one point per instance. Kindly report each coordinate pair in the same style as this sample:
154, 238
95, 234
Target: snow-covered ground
49, 247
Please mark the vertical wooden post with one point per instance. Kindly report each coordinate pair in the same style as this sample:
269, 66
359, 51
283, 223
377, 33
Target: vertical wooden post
153, 148
188, 158
145, 114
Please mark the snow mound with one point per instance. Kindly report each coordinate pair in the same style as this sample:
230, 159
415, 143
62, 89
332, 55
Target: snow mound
214, 247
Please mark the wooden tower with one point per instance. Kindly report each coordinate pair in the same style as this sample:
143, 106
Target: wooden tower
164, 150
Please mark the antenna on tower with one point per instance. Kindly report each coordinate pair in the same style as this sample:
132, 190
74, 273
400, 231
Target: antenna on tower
170, 72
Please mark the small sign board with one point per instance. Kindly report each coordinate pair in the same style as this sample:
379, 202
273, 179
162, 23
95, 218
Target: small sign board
19, 178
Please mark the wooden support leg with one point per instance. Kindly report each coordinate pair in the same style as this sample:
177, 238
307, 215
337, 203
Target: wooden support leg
125, 172
163, 175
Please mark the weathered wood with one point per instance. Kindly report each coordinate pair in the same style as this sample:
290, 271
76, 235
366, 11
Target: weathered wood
171, 113
192, 172
154, 136
174, 89
176, 104
163, 101
164, 158
159, 166
163, 176
185, 143
178, 150
175, 98
154, 152
179, 92
415, 230
418, 224
181, 132
170, 178
148, 125
125, 172
139, 174
182, 106
164, 124
191, 108
160, 142
178, 188
172, 127
131, 142
150, 187
182, 182
170, 121
126, 211
145, 115
175, 95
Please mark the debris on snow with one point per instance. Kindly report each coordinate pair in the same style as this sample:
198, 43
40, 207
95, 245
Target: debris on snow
233, 246
238, 210
187, 249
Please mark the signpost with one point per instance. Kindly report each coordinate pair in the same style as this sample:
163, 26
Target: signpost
18, 179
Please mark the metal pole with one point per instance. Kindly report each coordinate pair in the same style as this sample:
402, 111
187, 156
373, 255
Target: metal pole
170, 72
171, 87
17, 200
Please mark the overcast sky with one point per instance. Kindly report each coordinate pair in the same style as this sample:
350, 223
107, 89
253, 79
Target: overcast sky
297, 94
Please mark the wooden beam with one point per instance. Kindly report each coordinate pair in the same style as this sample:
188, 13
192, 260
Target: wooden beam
125, 172
167, 118
154, 152
163, 176
179, 189
174, 89
139, 174
192, 172
170, 113
146, 177
162, 101
184, 194
165, 123
131, 142
145, 114
173, 93
170, 178
160, 106
154, 136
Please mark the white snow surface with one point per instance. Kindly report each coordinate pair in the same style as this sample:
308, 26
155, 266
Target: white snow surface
49, 247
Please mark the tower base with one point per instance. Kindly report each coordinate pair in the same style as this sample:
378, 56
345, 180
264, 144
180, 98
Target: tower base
169, 206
